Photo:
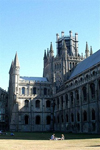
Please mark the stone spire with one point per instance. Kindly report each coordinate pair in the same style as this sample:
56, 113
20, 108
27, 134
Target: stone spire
51, 50
16, 61
11, 66
45, 54
91, 52
87, 50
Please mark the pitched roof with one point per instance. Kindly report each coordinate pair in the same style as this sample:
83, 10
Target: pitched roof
86, 64
36, 79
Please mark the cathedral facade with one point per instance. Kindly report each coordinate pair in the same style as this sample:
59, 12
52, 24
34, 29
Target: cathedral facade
66, 98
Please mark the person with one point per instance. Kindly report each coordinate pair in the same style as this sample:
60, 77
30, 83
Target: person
12, 134
62, 137
0, 132
52, 137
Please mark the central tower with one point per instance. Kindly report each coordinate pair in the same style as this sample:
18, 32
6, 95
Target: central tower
57, 69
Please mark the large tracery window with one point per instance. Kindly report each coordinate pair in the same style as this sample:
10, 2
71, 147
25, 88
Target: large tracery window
92, 88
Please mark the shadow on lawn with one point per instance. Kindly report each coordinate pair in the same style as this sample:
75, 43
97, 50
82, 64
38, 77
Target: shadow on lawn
47, 135
94, 146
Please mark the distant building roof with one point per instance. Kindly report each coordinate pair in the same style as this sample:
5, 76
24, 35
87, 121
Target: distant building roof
36, 79
87, 63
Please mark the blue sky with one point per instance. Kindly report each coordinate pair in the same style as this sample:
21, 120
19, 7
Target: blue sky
28, 26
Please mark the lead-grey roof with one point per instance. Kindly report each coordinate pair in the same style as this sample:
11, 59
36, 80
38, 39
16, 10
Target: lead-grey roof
36, 79
87, 63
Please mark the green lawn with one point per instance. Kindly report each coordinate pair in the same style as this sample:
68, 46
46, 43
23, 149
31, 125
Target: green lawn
47, 135
40, 141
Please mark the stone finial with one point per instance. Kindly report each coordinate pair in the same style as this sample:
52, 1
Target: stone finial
51, 48
91, 52
45, 54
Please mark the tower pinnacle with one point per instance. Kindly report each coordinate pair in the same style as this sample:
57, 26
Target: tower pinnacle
16, 61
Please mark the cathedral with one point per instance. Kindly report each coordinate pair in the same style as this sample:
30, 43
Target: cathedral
66, 98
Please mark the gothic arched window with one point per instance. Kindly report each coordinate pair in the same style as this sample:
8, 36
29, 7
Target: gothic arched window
84, 93
84, 116
78, 117
37, 104
45, 91
93, 114
26, 119
48, 119
34, 90
48, 103
77, 96
37, 120
26, 103
23, 90
92, 87
66, 117
72, 117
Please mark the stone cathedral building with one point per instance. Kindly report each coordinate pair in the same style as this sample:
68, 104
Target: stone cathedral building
66, 98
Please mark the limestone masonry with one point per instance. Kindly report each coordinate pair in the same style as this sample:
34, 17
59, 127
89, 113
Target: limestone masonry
66, 98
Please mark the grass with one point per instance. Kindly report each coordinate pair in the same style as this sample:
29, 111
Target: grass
40, 141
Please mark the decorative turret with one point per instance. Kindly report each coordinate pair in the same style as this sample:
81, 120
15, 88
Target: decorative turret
91, 52
87, 50
15, 74
71, 43
51, 50
76, 44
